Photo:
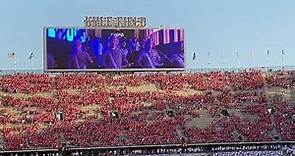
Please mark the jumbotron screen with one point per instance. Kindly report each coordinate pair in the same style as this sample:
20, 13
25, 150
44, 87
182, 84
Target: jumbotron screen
83, 49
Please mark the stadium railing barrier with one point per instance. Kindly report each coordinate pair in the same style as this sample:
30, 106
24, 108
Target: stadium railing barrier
208, 148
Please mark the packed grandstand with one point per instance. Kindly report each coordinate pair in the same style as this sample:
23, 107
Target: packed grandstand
84, 110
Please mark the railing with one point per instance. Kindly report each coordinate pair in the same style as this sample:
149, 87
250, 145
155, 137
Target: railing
264, 69
207, 148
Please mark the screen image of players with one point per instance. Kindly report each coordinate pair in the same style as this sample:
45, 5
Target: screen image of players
113, 49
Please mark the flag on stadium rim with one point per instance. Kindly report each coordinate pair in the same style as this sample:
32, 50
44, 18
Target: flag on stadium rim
194, 56
31, 55
11, 55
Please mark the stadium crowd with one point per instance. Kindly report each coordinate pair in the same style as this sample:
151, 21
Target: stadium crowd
85, 110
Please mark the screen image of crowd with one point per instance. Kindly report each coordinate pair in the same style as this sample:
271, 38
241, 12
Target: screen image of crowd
80, 49
109, 110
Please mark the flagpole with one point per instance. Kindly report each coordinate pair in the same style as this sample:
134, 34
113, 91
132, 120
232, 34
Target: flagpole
222, 55
12, 56
196, 60
32, 63
238, 60
14, 64
252, 58
283, 59
267, 58
209, 61
31, 58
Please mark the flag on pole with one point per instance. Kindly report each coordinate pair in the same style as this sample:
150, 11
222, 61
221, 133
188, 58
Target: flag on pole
194, 56
267, 53
283, 52
11, 55
31, 55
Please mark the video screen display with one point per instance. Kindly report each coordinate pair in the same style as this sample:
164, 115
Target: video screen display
113, 49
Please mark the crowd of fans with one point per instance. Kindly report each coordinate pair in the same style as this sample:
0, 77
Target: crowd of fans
83, 110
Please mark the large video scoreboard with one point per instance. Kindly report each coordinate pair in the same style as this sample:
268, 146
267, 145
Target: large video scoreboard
113, 49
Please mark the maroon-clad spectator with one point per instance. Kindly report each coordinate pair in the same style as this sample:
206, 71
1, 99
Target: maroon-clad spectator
84, 110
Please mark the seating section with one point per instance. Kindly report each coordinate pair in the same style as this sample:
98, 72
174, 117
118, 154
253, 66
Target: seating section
84, 110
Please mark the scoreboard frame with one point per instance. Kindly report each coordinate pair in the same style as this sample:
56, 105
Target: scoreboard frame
46, 69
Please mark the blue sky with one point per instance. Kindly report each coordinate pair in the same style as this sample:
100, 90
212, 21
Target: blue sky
222, 27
